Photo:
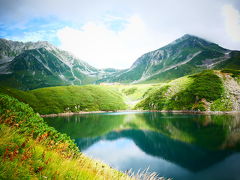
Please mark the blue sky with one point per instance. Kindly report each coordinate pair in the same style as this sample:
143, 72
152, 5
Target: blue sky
34, 29
111, 33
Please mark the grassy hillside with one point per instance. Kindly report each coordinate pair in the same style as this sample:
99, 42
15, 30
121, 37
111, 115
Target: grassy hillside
29, 149
133, 93
208, 90
69, 98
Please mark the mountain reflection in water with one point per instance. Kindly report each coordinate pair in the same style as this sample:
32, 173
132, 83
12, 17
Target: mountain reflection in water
181, 146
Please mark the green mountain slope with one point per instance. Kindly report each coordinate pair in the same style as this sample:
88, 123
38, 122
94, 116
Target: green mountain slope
186, 55
69, 98
208, 90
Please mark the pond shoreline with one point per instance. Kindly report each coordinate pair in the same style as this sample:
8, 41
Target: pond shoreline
163, 111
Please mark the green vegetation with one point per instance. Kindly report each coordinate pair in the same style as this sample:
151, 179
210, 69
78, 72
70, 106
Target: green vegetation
136, 91
130, 90
206, 85
195, 92
69, 98
133, 93
232, 63
21, 115
234, 73
30, 149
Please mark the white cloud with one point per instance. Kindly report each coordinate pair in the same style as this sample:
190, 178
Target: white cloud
232, 22
102, 47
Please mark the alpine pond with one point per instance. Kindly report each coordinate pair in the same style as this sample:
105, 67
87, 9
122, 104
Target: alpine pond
178, 146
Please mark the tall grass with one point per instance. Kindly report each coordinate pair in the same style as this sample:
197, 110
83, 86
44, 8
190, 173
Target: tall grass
23, 157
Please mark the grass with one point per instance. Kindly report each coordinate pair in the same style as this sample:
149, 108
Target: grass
29, 149
195, 92
69, 98
133, 93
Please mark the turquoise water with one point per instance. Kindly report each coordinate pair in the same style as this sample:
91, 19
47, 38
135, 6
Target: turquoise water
179, 146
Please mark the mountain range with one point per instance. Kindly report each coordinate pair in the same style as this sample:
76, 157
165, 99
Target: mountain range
39, 64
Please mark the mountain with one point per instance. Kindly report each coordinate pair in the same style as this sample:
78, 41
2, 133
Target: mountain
186, 55
39, 64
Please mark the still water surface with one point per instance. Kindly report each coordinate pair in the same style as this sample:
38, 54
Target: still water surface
179, 146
